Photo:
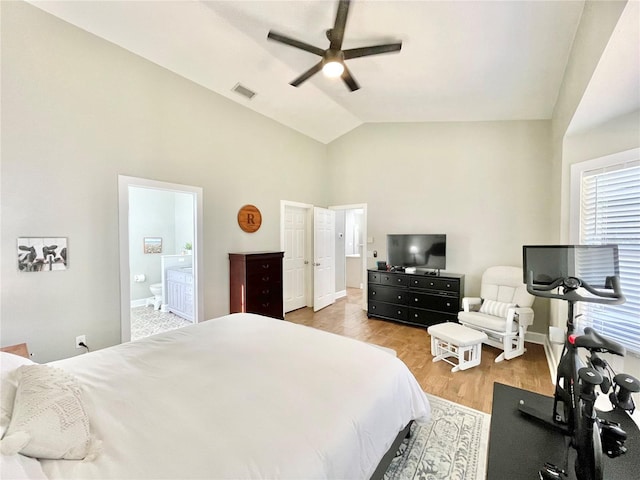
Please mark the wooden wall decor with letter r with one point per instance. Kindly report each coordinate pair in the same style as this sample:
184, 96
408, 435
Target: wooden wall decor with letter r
249, 218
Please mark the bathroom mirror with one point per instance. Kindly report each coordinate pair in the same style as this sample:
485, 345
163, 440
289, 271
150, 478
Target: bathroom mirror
152, 245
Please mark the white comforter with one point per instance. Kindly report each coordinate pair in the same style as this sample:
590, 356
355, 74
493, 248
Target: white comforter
242, 396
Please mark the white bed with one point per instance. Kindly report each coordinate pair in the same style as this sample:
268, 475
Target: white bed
241, 396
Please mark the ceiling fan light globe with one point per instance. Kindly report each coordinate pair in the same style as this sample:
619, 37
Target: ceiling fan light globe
333, 69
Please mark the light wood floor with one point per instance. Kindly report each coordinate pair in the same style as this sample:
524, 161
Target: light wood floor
473, 387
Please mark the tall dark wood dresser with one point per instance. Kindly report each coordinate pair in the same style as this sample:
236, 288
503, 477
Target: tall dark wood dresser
255, 283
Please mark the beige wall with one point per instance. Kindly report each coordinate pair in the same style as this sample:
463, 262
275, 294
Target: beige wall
76, 112
483, 184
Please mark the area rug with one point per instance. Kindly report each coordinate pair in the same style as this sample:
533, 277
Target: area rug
453, 445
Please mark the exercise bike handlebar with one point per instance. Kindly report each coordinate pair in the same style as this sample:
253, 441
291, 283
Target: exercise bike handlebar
570, 290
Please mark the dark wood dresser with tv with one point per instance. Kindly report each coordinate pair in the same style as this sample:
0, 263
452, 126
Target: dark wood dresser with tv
415, 298
255, 283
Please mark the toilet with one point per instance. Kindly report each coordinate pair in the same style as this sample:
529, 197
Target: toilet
156, 289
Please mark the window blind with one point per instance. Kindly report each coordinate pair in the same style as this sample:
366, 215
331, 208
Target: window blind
610, 213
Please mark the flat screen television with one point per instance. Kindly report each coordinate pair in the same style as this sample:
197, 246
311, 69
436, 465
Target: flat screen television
589, 263
427, 251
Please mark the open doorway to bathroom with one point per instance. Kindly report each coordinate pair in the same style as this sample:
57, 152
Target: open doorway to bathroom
351, 251
160, 242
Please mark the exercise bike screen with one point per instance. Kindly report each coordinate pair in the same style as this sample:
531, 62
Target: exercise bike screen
592, 264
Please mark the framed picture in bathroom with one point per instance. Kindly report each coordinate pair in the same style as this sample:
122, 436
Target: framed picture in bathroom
152, 245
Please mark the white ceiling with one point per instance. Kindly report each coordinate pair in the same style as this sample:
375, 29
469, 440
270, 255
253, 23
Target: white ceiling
460, 60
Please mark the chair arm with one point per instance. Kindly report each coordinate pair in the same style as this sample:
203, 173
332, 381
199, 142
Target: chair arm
468, 302
522, 315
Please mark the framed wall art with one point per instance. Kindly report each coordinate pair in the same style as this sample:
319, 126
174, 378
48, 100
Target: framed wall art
152, 245
42, 254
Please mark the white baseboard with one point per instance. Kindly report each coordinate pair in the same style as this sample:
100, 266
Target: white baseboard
535, 337
340, 294
542, 339
552, 361
140, 302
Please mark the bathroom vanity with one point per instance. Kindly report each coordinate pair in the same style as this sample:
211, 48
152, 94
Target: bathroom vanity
180, 291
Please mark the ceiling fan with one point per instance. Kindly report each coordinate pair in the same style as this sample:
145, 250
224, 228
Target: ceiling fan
332, 63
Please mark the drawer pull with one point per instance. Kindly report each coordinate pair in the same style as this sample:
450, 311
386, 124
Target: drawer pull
399, 297
265, 291
265, 279
416, 299
265, 305
373, 293
399, 312
448, 304
399, 280
265, 265
431, 283
373, 307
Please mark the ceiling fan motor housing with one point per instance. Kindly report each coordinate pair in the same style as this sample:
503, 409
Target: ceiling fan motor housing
334, 56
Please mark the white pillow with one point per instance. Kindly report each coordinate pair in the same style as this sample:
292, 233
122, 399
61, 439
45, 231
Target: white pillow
49, 419
497, 309
9, 363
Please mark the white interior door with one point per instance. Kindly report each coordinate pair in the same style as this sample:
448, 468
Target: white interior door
296, 262
323, 258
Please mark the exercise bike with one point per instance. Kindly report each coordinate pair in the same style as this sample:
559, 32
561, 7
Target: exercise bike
574, 412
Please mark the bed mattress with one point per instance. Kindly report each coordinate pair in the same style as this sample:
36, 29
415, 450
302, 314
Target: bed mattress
241, 396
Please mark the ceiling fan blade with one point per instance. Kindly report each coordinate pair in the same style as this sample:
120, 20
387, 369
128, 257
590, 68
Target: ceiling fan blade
337, 32
295, 43
305, 76
373, 50
349, 80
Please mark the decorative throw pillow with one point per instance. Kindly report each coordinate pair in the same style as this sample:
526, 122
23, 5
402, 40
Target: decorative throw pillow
49, 419
9, 364
497, 309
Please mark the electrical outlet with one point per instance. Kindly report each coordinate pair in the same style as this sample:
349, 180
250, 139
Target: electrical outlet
81, 339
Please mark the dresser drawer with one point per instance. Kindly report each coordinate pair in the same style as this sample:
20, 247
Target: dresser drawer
429, 317
266, 301
381, 293
442, 303
396, 312
394, 280
374, 277
267, 278
268, 267
441, 284
264, 290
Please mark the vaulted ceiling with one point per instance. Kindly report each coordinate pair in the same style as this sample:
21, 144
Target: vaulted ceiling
460, 60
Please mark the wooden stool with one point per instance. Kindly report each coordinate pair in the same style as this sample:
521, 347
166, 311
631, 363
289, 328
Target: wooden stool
451, 339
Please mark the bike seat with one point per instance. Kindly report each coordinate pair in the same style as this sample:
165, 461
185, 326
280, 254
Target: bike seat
592, 340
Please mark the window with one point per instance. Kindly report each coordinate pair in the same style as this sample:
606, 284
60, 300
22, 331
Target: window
607, 194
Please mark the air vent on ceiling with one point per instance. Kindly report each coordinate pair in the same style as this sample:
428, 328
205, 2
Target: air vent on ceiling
244, 91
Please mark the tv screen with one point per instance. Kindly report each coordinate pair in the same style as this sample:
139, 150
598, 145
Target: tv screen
417, 250
589, 263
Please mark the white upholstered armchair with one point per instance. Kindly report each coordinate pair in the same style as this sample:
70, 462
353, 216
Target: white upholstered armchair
503, 310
